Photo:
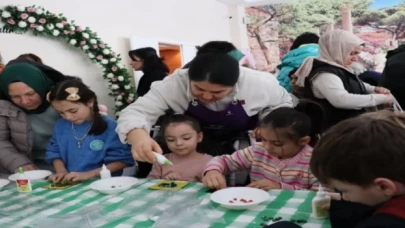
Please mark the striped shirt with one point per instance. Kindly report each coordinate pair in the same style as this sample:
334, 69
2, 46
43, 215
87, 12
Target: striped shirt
292, 173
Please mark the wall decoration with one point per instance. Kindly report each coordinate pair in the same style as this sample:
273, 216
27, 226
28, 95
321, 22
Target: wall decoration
36, 19
380, 23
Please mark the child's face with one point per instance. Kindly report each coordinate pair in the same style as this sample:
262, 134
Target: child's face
182, 139
377, 193
278, 145
77, 113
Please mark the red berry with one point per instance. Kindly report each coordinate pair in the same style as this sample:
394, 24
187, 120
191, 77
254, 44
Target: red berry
230, 201
235, 198
250, 201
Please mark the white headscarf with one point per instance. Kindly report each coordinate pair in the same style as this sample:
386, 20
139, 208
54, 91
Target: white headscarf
334, 47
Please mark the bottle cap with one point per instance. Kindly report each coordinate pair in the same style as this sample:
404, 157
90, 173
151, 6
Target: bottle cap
20, 170
320, 191
104, 168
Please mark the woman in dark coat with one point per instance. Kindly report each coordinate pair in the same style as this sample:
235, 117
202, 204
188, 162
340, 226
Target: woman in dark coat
152, 66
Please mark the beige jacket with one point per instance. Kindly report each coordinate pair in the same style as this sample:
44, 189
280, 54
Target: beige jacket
16, 138
260, 91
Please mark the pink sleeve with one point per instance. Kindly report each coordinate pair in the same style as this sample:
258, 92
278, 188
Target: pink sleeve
156, 172
238, 161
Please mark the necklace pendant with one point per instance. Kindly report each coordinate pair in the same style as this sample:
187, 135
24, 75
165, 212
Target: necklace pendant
79, 143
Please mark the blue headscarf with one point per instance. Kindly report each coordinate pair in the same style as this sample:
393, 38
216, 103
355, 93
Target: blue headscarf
293, 60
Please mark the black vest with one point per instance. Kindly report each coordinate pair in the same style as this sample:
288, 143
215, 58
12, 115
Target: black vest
351, 83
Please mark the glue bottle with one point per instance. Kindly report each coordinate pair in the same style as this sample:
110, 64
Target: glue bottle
23, 183
320, 204
105, 173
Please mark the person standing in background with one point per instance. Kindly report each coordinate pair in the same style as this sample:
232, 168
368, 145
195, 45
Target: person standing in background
304, 46
152, 66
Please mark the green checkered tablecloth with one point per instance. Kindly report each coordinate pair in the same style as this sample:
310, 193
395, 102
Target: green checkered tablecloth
81, 207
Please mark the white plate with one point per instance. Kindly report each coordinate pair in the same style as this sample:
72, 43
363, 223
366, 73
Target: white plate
33, 175
114, 185
3, 182
226, 197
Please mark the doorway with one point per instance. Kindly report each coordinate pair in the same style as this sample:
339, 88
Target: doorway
171, 55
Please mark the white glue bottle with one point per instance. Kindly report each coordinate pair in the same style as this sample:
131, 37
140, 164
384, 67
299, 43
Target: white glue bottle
23, 183
320, 204
105, 173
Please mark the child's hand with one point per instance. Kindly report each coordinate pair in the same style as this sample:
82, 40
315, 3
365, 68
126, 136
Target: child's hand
265, 184
77, 176
214, 179
57, 177
172, 176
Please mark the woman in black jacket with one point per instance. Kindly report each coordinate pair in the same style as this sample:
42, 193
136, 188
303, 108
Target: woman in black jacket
152, 66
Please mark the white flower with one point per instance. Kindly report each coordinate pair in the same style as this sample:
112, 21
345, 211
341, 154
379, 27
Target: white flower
55, 33
50, 26
120, 78
114, 87
127, 87
40, 28
22, 24
113, 60
118, 113
20, 8
32, 20
118, 103
6, 14
85, 47
104, 61
91, 56
39, 11
106, 51
120, 65
85, 35
119, 97
59, 25
130, 99
93, 41
110, 75
131, 95
73, 42
73, 28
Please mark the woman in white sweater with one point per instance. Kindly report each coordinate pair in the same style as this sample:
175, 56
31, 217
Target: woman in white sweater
215, 90
330, 81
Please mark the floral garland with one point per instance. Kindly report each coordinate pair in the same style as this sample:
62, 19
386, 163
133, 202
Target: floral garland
42, 22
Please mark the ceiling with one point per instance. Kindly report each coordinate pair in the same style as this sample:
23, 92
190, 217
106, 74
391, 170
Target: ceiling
253, 2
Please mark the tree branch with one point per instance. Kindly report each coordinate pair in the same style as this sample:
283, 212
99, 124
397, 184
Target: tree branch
378, 27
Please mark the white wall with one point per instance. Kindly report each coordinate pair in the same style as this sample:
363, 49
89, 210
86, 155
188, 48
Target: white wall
238, 28
188, 21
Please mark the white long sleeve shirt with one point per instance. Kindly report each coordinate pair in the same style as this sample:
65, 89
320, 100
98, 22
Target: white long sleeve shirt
260, 91
330, 87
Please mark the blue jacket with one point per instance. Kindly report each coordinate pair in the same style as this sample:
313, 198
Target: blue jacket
293, 60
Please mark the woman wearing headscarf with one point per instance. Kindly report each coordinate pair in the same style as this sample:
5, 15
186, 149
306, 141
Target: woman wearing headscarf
330, 81
26, 117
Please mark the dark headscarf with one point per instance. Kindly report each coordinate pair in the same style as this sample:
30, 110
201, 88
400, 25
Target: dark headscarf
30, 75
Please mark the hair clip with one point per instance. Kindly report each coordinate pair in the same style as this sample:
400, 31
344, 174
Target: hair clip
73, 96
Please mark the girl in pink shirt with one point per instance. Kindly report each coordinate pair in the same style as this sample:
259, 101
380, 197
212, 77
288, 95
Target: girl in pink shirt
280, 161
182, 134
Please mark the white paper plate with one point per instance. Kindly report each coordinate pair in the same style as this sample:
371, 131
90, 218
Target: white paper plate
3, 182
33, 175
114, 185
231, 197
